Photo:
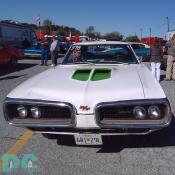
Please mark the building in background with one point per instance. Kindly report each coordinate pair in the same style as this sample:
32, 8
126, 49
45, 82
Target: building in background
150, 40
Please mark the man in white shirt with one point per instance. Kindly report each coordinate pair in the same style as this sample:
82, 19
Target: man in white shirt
54, 49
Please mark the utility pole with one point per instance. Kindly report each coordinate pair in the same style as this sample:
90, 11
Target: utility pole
141, 30
150, 31
168, 23
150, 35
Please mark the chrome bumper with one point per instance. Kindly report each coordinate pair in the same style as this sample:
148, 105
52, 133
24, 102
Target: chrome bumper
120, 128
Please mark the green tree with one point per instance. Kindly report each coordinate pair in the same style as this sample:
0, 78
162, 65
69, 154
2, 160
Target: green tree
47, 26
90, 31
98, 35
74, 32
132, 39
114, 36
61, 31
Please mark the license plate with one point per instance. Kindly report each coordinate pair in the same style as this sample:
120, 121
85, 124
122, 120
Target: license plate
88, 139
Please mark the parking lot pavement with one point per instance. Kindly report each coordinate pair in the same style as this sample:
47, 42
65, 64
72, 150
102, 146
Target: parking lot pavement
122, 155
9, 79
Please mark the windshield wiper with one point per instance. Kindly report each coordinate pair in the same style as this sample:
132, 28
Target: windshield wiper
97, 61
115, 62
81, 62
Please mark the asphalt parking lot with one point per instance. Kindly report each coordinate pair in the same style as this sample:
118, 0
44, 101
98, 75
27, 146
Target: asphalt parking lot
120, 155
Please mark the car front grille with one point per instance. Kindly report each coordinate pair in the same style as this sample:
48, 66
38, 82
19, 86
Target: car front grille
52, 113
117, 114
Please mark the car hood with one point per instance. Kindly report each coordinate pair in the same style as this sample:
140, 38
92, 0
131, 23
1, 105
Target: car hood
126, 82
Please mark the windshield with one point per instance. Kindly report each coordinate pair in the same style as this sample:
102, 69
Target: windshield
100, 53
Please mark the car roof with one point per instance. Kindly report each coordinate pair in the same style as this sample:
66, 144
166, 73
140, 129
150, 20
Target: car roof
101, 42
136, 43
139, 43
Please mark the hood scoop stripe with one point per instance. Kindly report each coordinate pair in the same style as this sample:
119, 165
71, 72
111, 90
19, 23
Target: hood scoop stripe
101, 74
81, 74
92, 75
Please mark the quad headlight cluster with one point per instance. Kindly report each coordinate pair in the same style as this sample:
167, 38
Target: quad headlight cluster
23, 112
143, 111
153, 112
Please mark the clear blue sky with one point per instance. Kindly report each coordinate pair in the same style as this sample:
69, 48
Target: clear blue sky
125, 16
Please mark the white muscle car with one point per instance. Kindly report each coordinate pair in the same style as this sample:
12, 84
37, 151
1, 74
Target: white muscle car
101, 88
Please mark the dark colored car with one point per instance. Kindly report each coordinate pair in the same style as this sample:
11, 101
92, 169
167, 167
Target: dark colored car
34, 51
64, 46
141, 50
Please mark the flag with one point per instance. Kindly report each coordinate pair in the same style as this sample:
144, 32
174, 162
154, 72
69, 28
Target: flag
37, 19
70, 34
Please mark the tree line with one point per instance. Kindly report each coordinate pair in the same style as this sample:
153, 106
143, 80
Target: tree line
49, 28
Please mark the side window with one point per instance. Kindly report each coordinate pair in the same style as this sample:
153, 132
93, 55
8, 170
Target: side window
135, 46
1, 47
141, 46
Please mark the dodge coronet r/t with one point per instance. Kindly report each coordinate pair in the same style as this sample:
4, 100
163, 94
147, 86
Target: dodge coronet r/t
101, 88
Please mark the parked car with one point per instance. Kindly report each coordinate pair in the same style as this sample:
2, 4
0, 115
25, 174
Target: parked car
64, 46
141, 50
14, 33
34, 51
93, 93
10, 55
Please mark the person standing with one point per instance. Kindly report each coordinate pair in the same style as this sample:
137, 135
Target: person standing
26, 43
156, 53
54, 49
170, 70
44, 52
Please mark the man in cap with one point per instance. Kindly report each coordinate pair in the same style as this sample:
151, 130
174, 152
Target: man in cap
54, 49
170, 70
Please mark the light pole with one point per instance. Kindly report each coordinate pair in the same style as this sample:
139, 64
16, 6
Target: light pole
168, 23
141, 30
149, 35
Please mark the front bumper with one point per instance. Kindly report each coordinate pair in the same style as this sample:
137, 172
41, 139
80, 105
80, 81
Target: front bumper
82, 123
102, 132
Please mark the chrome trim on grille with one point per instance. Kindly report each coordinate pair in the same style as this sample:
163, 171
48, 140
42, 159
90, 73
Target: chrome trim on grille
38, 122
152, 124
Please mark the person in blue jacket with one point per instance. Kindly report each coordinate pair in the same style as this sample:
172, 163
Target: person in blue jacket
44, 52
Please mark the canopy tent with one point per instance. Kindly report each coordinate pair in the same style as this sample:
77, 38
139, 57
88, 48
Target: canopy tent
40, 36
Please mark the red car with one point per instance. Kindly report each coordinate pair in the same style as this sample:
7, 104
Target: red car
10, 55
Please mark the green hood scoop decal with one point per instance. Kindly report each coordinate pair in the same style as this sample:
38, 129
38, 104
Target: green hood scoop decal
81, 74
101, 74
96, 75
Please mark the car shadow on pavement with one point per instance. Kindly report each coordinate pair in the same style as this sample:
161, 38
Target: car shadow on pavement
162, 77
12, 77
158, 139
114, 144
21, 66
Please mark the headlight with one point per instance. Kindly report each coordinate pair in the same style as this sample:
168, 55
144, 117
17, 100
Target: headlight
154, 112
139, 112
22, 112
36, 113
